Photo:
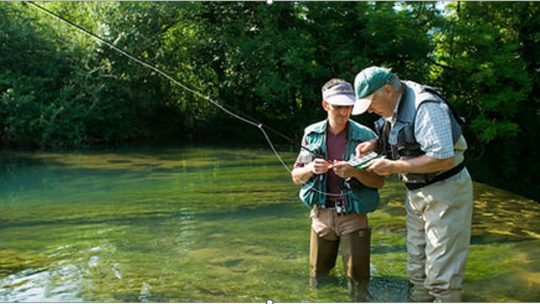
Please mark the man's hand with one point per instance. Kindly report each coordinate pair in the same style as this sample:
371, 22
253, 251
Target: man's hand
369, 179
342, 169
382, 167
319, 166
420, 164
303, 174
366, 146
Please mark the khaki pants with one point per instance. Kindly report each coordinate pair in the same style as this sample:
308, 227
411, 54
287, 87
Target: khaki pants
438, 235
328, 225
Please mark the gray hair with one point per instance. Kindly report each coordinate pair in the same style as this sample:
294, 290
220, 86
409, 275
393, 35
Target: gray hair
393, 81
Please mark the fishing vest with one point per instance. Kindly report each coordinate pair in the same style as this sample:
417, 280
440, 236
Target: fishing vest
363, 199
399, 142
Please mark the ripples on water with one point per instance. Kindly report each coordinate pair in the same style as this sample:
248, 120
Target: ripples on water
210, 225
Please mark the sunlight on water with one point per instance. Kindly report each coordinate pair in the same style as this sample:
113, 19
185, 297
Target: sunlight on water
215, 225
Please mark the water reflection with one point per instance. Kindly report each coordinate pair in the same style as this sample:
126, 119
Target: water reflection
211, 225
31, 286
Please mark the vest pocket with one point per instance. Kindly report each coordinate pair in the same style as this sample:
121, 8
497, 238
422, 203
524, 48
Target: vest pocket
364, 201
401, 134
403, 142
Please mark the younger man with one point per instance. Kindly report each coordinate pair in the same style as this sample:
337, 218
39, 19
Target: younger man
340, 195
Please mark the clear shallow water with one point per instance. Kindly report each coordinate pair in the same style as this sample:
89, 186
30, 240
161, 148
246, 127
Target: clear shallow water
215, 225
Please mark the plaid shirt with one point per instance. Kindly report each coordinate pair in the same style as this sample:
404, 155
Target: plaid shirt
433, 131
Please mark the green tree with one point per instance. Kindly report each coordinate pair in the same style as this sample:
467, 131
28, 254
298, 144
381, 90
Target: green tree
485, 62
30, 72
61, 89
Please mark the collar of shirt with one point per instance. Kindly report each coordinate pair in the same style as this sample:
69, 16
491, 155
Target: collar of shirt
396, 110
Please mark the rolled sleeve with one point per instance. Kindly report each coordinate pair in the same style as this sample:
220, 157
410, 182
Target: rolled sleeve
433, 131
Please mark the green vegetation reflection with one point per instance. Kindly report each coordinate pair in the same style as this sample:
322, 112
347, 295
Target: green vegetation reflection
215, 225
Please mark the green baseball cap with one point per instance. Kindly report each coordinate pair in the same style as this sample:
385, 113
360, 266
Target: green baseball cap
366, 83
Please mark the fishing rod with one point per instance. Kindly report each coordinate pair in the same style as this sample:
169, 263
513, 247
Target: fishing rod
243, 118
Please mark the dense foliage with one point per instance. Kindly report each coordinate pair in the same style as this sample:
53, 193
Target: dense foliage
61, 89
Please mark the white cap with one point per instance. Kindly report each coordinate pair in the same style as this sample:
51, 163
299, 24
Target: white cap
361, 105
340, 95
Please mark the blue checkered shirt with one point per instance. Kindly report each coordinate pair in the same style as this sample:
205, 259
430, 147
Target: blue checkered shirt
433, 131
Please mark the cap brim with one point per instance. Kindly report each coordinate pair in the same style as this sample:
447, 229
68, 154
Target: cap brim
362, 105
341, 100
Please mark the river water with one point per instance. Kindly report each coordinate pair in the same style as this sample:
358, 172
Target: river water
215, 225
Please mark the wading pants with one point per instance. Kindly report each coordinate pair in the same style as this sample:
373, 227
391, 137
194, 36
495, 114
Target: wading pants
328, 232
438, 235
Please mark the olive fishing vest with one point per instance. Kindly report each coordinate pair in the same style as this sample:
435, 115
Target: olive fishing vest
399, 142
363, 199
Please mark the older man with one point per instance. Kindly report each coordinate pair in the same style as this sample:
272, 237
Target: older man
421, 136
339, 207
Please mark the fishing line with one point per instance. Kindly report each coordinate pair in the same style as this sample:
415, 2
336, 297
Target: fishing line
194, 92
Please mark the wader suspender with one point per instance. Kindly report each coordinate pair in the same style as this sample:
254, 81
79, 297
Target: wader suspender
459, 119
383, 127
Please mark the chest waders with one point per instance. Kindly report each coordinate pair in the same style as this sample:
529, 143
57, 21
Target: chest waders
354, 243
438, 217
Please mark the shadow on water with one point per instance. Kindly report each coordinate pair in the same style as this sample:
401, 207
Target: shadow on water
216, 225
